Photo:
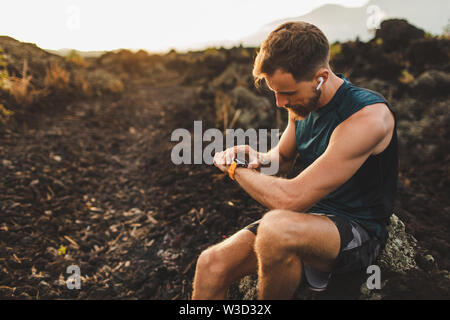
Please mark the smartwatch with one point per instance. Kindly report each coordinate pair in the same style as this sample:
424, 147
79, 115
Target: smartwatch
236, 163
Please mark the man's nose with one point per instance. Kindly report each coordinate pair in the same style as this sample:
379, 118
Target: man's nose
281, 101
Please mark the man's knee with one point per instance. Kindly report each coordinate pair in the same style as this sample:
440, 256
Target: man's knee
278, 233
212, 264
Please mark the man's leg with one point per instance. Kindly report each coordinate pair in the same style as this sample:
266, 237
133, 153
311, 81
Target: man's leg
284, 240
222, 264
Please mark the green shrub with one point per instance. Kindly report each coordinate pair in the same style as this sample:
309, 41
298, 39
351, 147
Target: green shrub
4, 113
74, 58
5, 83
335, 49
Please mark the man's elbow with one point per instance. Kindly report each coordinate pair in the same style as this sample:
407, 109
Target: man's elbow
290, 203
293, 199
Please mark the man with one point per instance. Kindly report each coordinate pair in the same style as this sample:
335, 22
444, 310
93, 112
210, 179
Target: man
332, 216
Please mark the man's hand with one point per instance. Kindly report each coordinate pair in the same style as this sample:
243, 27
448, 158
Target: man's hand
222, 160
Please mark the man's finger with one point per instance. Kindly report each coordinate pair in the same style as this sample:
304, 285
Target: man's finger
223, 159
218, 158
230, 156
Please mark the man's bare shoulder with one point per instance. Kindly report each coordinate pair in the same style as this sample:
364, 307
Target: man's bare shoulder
375, 112
377, 115
374, 123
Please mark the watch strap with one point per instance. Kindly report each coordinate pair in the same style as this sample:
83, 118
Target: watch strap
231, 170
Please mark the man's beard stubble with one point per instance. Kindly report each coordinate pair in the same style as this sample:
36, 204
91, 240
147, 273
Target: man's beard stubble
302, 110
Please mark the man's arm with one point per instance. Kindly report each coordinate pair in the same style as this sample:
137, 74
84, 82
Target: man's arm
351, 143
285, 152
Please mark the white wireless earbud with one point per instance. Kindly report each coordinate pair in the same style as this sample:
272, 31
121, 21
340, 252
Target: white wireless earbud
320, 83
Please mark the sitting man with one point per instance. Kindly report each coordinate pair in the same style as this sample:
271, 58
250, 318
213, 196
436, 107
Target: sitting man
332, 216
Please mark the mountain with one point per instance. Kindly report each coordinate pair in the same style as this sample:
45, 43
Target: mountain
85, 54
342, 24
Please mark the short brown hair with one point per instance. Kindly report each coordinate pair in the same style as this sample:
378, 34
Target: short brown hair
299, 48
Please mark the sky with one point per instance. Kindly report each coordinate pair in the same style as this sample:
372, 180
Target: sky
91, 25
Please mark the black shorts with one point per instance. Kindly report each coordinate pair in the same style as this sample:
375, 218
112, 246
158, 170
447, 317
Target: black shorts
358, 248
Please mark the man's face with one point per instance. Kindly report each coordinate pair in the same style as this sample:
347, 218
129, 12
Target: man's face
301, 98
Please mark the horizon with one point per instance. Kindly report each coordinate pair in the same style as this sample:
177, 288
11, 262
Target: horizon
92, 26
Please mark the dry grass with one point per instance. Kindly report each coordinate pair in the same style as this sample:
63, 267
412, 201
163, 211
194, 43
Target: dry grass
83, 85
406, 77
21, 88
225, 110
5, 114
56, 78
116, 86
74, 58
5, 84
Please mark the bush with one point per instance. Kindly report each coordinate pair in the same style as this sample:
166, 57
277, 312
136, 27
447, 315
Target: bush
335, 49
5, 84
82, 85
56, 78
116, 86
4, 113
74, 58
406, 77
22, 90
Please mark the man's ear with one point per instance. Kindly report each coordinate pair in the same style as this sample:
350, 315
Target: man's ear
321, 77
322, 72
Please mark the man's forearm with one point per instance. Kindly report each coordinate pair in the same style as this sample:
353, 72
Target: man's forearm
255, 184
277, 196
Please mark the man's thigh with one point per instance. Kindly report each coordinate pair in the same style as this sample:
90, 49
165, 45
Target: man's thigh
315, 238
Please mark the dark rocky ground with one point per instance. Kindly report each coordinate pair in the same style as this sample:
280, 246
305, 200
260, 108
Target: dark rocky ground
102, 185
93, 172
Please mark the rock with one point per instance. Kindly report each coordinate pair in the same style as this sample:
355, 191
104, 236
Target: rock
233, 75
429, 258
426, 263
7, 164
431, 83
102, 82
428, 53
397, 34
256, 111
398, 256
445, 274
400, 251
245, 289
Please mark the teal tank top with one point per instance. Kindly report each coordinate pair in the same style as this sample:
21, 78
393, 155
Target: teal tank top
368, 197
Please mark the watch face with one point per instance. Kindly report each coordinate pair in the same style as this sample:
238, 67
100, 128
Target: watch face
264, 162
240, 162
